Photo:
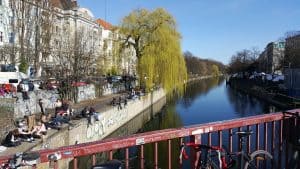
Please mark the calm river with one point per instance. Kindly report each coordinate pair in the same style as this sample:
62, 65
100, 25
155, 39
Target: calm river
203, 101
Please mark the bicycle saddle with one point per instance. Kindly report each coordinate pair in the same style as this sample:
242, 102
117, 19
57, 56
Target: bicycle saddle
243, 133
113, 164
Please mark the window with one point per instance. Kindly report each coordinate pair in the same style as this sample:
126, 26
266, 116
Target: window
11, 19
1, 36
1, 18
11, 38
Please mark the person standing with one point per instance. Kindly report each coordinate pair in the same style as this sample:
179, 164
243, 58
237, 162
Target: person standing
41, 106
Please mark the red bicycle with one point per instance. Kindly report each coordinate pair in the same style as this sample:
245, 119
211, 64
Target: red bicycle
214, 157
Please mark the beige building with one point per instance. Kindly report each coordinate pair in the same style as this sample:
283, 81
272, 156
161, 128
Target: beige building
60, 35
270, 59
113, 56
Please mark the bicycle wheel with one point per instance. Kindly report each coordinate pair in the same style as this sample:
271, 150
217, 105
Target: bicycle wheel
259, 159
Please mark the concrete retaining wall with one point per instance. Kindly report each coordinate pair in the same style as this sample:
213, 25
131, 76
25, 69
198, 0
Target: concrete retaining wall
86, 92
111, 120
20, 107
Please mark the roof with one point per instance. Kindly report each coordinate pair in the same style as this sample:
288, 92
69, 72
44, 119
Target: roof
104, 24
64, 4
86, 12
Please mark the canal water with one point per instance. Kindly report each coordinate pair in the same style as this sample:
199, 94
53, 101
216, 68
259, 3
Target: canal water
204, 101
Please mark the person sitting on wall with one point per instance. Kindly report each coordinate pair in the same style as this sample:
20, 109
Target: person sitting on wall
39, 130
85, 112
57, 106
46, 120
66, 107
59, 119
23, 132
11, 139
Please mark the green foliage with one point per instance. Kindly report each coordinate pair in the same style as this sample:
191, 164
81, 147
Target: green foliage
113, 71
23, 66
215, 71
157, 46
201, 67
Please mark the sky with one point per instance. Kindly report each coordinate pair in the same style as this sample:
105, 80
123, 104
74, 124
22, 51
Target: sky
214, 29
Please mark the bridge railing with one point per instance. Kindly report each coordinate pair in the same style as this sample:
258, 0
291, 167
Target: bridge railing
270, 133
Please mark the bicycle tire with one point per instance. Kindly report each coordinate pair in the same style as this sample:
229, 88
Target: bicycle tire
255, 156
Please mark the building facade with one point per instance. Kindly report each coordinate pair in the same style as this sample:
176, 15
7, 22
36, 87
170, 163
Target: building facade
115, 56
292, 54
270, 59
60, 35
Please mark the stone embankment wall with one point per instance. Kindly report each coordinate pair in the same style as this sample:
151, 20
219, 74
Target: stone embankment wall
16, 107
110, 120
86, 92
20, 107
112, 89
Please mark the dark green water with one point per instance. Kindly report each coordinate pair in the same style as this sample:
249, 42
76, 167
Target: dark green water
203, 101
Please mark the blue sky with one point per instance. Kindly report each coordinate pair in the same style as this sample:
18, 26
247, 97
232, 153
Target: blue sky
214, 29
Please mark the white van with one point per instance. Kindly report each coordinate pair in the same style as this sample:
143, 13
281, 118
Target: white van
13, 78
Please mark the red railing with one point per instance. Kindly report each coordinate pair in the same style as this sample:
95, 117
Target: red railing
271, 126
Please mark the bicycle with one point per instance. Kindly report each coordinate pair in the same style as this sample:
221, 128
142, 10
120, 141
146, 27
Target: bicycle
247, 160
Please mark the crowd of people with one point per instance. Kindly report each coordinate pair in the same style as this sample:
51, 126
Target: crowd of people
32, 127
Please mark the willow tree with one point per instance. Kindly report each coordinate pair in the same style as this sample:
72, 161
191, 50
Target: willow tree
156, 41
215, 71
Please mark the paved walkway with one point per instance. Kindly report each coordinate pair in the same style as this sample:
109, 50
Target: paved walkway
100, 104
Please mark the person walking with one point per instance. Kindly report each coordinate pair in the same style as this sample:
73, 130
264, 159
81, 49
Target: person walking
41, 106
119, 103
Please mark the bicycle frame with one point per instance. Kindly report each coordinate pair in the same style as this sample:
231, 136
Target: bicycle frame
206, 151
243, 156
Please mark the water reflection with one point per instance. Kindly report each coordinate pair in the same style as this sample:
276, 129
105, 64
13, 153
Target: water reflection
198, 88
203, 101
246, 105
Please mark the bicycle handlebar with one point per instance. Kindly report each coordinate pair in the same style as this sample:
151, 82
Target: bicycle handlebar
197, 147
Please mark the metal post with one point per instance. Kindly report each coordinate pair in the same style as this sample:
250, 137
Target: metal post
230, 140
94, 159
127, 158
220, 138
142, 156
249, 140
75, 163
156, 155
169, 154
257, 136
266, 136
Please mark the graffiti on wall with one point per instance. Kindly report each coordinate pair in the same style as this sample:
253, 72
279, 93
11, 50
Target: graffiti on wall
99, 128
